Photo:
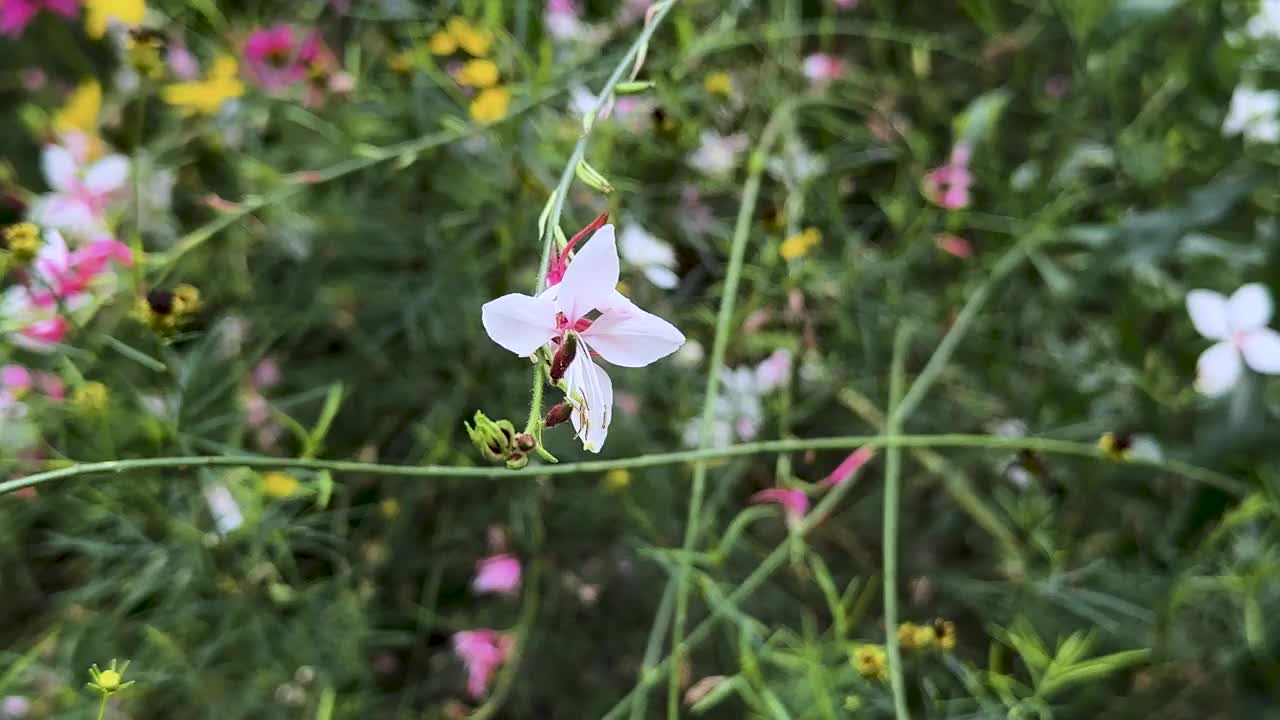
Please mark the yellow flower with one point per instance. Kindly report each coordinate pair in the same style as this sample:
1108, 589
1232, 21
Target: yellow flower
907, 636
479, 73
207, 96
718, 83
100, 13
490, 105
871, 662
1116, 446
401, 62
442, 43
944, 632
925, 637
470, 38
279, 484
22, 241
81, 111
799, 245
617, 479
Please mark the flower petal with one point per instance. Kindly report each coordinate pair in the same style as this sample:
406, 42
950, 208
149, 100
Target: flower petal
1208, 311
662, 277
1249, 308
1261, 350
59, 167
107, 175
1218, 369
591, 392
591, 278
628, 336
519, 323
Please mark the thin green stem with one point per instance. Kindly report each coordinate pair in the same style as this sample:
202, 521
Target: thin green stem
794, 445
102, 706
719, 346
892, 473
653, 648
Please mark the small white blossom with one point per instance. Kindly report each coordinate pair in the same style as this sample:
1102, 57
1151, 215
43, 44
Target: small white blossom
1239, 325
1255, 114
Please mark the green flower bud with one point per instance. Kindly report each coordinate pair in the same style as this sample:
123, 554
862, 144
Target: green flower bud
517, 460
494, 440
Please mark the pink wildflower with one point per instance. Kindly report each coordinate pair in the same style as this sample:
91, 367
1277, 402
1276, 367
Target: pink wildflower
482, 652
273, 57
562, 19
497, 574
794, 503
16, 14
84, 192
954, 245
849, 466
822, 68
948, 185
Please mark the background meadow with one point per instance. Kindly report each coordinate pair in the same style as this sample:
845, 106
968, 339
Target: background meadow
262, 234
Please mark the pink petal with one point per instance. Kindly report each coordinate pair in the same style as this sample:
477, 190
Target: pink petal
1218, 369
520, 323
591, 278
497, 574
108, 175
628, 336
1261, 350
1249, 308
59, 166
1208, 311
794, 502
14, 16
15, 377
849, 466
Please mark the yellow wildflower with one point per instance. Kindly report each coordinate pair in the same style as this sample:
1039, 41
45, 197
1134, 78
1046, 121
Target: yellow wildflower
442, 43
470, 38
907, 636
617, 479
871, 662
207, 96
22, 241
718, 83
479, 73
1116, 446
490, 105
944, 632
925, 637
799, 245
81, 111
279, 484
99, 14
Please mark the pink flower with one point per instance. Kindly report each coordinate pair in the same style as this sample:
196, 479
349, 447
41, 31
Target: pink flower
849, 466
948, 185
83, 192
273, 57
561, 19
587, 306
182, 63
774, 370
497, 574
954, 245
482, 653
15, 379
1239, 326
794, 503
15, 14
822, 68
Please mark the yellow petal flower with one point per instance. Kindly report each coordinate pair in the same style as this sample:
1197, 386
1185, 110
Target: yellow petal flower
442, 43
799, 245
279, 484
470, 38
100, 13
207, 96
718, 83
479, 73
490, 105
81, 111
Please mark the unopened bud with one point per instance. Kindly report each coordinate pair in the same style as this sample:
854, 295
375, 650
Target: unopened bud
593, 178
634, 87
526, 442
564, 356
557, 415
494, 440
517, 460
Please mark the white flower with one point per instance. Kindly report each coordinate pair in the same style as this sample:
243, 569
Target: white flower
621, 333
797, 164
1239, 324
654, 257
739, 409
1266, 24
1253, 113
83, 192
717, 155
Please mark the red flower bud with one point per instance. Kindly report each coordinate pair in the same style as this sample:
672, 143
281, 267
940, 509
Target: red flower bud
558, 414
560, 361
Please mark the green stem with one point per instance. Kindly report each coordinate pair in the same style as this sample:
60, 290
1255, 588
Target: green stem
794, 445
892, 472
102, 706
724, 320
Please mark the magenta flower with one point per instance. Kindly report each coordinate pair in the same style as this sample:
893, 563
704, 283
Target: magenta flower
482, 652
822, 68
16, 14
794, 503
15, 379
849, 466
497, 574
273, 57
948, 185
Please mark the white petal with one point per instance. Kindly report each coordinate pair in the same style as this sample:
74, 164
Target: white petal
67, 212
591, 278
631, 337
662, 277
591, 392
1208, 311
59, 167
107, 175
1218, 369
1249, 308
639, 247
1261, 350
519, 323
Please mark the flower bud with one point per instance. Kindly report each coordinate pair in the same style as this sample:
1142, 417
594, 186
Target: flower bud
557, 415
493, 439
525, 442
593, 178
564, 356
517, 460
634, 87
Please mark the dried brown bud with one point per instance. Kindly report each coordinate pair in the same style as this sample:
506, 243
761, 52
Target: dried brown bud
525, 442
517, 460
557, 415
560, 361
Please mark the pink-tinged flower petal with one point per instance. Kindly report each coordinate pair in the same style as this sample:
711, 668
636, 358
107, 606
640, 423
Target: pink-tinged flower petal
108, 175
774, 370
69, 212
59, 166
591, 278
520, 323
1209, 315
15, 15
65, 8
15, 377
51, 385
954, 245
849, 466
497, 574
628, 336
1261, 350
42, 335
1249, 308
591, 393
794, 502
482, 652
1218, 369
